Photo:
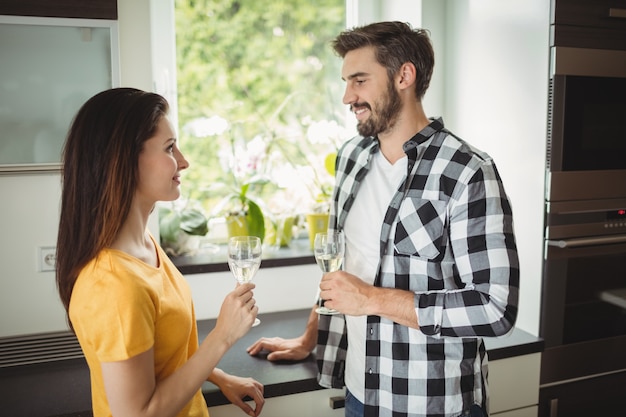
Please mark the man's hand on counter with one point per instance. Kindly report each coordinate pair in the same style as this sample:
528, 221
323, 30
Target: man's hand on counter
288, 349
280, 349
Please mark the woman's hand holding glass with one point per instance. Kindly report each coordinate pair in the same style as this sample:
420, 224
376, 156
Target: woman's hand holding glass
244, 259
237, 313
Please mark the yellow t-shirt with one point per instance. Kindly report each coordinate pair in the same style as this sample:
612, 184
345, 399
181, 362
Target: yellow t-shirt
121, 307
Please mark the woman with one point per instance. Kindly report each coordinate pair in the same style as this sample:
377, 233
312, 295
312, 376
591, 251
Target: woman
129, 306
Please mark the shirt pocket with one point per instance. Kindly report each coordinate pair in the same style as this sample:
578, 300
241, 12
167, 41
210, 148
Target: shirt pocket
420, 228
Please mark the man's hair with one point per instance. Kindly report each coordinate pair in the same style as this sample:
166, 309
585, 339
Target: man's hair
395, 43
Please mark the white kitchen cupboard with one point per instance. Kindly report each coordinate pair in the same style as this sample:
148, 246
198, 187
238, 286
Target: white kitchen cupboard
514, 386
513, 382
50, 67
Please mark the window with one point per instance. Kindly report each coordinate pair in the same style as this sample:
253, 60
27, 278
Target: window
259, 102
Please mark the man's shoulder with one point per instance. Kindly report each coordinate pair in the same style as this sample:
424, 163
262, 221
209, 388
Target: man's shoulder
451, 146
358, 141
355, 146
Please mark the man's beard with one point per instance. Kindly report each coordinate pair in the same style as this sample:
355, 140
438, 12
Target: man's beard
385, 116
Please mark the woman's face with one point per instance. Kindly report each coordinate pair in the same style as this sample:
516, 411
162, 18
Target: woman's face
160, 163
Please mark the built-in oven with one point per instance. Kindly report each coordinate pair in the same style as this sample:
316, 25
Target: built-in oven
586, 142
583, 305
584, 289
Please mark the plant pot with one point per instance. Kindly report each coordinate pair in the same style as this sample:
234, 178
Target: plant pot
185, 245
237, 225
317, 223
280, 231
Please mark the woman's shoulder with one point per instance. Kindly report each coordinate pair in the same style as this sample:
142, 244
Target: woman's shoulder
105, 282
113, 273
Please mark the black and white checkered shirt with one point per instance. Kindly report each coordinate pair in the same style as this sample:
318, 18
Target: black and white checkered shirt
448, 237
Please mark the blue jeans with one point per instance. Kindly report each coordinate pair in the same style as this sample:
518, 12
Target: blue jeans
355, 408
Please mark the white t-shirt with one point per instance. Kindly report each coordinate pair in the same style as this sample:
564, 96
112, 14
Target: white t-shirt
362, 231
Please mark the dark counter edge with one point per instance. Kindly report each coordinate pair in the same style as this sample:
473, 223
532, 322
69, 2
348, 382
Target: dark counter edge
279, 379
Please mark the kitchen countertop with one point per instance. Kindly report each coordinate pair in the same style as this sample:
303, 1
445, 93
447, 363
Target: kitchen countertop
62, 388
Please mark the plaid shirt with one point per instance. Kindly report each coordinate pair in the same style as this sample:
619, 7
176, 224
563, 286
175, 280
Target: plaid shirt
448, 237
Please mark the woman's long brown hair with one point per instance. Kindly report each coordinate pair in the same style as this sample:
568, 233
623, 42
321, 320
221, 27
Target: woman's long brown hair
99, 175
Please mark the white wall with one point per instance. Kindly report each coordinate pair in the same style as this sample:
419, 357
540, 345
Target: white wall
28, 219
496, 89
491, 68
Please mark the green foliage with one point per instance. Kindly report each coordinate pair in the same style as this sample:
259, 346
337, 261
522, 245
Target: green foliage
238, 202
189, 219
255, 220
240, 60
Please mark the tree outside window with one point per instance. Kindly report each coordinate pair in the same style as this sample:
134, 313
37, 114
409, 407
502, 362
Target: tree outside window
259, 101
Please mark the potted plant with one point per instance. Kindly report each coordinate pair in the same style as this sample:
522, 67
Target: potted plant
319, 213
181, 226
244, 215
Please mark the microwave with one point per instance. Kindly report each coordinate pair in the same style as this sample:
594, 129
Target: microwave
586, 141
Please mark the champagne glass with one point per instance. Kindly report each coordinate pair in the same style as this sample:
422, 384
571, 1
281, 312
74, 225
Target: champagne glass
244, 259
329, 249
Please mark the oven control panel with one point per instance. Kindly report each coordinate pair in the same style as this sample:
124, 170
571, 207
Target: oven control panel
582, 219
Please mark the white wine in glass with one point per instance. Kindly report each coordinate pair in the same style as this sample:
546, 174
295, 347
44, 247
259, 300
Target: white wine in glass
329, 249
244, 259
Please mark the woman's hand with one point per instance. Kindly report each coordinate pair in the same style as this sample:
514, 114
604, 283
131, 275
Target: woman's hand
237, 313
236, 388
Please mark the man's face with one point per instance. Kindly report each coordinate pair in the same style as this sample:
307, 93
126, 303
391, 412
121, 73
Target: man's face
369, 92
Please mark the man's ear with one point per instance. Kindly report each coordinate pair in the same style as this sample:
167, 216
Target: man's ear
406, 75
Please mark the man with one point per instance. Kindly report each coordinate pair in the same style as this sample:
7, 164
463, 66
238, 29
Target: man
431, 264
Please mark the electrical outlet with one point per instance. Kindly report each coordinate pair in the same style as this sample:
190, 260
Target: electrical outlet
47, 258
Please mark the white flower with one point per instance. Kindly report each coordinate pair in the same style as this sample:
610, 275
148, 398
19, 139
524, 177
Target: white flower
326, 132
245, 159
202, 127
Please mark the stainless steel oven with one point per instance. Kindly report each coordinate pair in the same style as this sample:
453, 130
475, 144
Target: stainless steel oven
584, 289
583, 306
586, 143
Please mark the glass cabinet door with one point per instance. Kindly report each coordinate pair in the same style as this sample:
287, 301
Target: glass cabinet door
50, 67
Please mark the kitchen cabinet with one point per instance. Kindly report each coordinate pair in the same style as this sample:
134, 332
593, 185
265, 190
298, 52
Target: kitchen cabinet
589, 24
50, 67
514, 386
92, 9
597, 396
56, 54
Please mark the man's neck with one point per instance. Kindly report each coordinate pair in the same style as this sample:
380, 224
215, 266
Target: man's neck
412, 119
